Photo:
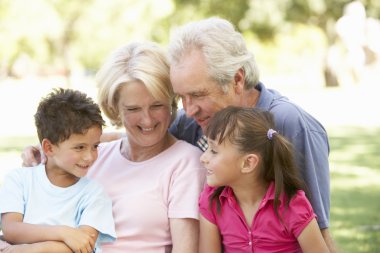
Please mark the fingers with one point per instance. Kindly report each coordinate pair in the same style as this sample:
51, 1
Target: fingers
31, 156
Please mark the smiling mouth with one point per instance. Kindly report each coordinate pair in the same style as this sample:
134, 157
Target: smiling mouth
83, 166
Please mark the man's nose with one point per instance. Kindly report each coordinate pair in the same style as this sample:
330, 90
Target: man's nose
190, 107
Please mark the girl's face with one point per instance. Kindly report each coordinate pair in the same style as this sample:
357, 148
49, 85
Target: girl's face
146, 119
223, 163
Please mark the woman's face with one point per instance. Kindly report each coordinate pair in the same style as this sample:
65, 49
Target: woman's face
146, 119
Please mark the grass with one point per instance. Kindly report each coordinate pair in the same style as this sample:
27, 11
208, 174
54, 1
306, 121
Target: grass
355, 188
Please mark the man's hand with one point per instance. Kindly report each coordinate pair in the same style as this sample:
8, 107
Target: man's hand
32, 156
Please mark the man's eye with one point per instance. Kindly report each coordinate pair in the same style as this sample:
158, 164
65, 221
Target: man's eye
79, 147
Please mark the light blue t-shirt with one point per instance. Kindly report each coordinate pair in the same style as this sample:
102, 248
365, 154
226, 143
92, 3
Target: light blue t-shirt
28, 191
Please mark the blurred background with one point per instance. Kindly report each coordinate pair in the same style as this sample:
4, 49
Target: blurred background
323, 54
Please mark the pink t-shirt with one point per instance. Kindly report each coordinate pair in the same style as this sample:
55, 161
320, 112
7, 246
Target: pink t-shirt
266, 233
146, 194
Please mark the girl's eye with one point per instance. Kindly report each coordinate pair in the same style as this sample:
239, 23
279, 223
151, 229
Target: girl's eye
213, 151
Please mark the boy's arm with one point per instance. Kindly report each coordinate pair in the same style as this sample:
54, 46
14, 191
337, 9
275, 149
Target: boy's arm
17, 232
39, 247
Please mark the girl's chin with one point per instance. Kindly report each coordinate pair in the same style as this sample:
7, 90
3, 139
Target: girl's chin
212, 183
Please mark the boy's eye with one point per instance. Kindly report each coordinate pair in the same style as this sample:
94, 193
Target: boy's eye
79, 147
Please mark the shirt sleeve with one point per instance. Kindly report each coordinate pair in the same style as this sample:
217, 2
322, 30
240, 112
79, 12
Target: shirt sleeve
98, 214
204, 204
300, 213
12, 192
186, 184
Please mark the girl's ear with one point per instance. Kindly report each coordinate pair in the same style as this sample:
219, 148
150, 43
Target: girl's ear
47, 147
250, 162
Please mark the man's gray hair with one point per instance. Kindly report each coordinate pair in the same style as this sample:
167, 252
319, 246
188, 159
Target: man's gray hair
223, 47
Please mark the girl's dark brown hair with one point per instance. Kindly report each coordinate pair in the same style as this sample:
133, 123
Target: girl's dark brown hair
247, 129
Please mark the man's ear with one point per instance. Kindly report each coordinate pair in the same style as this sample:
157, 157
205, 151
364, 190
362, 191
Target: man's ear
250, 162
239, 80
47, 147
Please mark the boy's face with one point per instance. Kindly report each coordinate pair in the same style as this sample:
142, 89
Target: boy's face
72, 158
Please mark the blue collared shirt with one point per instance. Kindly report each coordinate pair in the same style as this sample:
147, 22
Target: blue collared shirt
305, 132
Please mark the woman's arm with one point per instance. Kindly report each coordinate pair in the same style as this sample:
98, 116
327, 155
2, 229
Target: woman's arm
17, 232
311, 239
184, 233
33, 155
209, 237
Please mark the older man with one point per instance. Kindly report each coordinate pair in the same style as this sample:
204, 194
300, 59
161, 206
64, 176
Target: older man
211, 68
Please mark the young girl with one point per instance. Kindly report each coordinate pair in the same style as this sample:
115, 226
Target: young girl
254, 200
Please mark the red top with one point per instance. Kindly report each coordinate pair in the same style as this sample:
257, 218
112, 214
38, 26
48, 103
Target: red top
266, 233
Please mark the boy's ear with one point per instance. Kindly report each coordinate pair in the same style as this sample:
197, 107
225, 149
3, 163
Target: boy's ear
250, 162
47, 147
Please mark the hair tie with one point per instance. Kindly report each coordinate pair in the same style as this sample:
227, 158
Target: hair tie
270, 133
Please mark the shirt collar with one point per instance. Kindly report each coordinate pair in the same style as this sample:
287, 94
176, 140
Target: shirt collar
228, 194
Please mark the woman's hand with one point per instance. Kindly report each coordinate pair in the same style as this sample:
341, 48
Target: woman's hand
32, 156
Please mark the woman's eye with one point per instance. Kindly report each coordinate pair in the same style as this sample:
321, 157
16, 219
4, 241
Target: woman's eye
157, 106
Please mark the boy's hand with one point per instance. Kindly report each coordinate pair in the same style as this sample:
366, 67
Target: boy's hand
78, 240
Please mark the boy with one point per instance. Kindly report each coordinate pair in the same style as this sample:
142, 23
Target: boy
53, 207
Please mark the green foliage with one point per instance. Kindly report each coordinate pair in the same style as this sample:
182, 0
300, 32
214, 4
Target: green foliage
80, 34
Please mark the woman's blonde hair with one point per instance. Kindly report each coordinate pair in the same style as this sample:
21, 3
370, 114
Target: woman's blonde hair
138, 61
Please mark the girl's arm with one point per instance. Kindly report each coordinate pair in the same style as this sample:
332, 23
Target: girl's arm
184, 233
311, 239
17, 232
209, 237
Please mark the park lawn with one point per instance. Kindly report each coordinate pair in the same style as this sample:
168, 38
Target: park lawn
355, 184
355, 188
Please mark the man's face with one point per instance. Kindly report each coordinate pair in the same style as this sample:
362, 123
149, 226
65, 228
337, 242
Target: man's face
201, 96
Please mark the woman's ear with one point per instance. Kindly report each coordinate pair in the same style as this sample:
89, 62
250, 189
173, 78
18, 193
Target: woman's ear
250, 162
47, 147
